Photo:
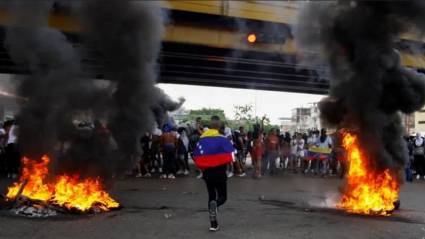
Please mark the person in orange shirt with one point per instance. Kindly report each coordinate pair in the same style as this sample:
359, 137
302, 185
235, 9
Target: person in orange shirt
272, 152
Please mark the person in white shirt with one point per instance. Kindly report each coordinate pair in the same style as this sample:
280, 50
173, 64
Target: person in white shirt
419, 155
297, 152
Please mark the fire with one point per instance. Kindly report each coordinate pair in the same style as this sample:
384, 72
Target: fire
367, 191
69, 191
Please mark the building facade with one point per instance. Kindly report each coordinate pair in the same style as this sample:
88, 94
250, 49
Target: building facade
306, 118
419, 119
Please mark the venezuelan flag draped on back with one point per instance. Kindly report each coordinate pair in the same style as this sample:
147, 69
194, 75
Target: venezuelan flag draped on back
212, 150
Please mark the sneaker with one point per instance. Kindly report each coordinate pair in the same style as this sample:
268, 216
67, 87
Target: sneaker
171, 176
199, 176
214, 226
160, 170
186, 172
153, 170
180, 172
424, 177
139, 175
242, 175
418, 177
163, 176
148, 175
230, 174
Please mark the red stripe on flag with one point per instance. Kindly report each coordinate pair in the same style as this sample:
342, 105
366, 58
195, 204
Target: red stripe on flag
211, 161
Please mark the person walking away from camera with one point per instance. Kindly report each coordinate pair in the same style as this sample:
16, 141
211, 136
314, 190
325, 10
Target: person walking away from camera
419, 156
272, 152
324, 143
212, 153
168, 145
183, 153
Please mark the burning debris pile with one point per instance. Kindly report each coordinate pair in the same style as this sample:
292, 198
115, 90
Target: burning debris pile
37, 195
367, 192
369, 87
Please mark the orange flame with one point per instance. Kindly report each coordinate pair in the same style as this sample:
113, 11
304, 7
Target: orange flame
367, 191
66, 191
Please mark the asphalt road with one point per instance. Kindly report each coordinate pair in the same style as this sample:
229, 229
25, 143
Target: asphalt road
283, 206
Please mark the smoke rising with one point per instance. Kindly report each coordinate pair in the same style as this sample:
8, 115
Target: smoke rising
369, 85
53, 82
128, 35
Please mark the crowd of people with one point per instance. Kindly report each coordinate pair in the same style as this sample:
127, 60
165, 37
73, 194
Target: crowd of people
167, 151
316, 152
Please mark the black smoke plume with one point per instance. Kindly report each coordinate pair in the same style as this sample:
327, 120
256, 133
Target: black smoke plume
57, 91
53, 82
128, 36
369, 85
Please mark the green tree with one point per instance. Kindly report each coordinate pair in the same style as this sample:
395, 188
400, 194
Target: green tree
205, 115
243, 112
244, 117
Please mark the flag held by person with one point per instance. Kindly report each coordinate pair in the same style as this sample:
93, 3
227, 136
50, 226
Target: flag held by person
315, 152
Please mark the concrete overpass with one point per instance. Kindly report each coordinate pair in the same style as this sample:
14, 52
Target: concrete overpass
206, 44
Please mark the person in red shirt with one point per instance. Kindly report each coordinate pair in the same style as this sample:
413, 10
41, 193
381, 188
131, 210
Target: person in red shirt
257, 150
272, 152
168, 144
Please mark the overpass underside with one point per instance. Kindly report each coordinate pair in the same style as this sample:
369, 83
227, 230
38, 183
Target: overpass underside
211, 50
193, 64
